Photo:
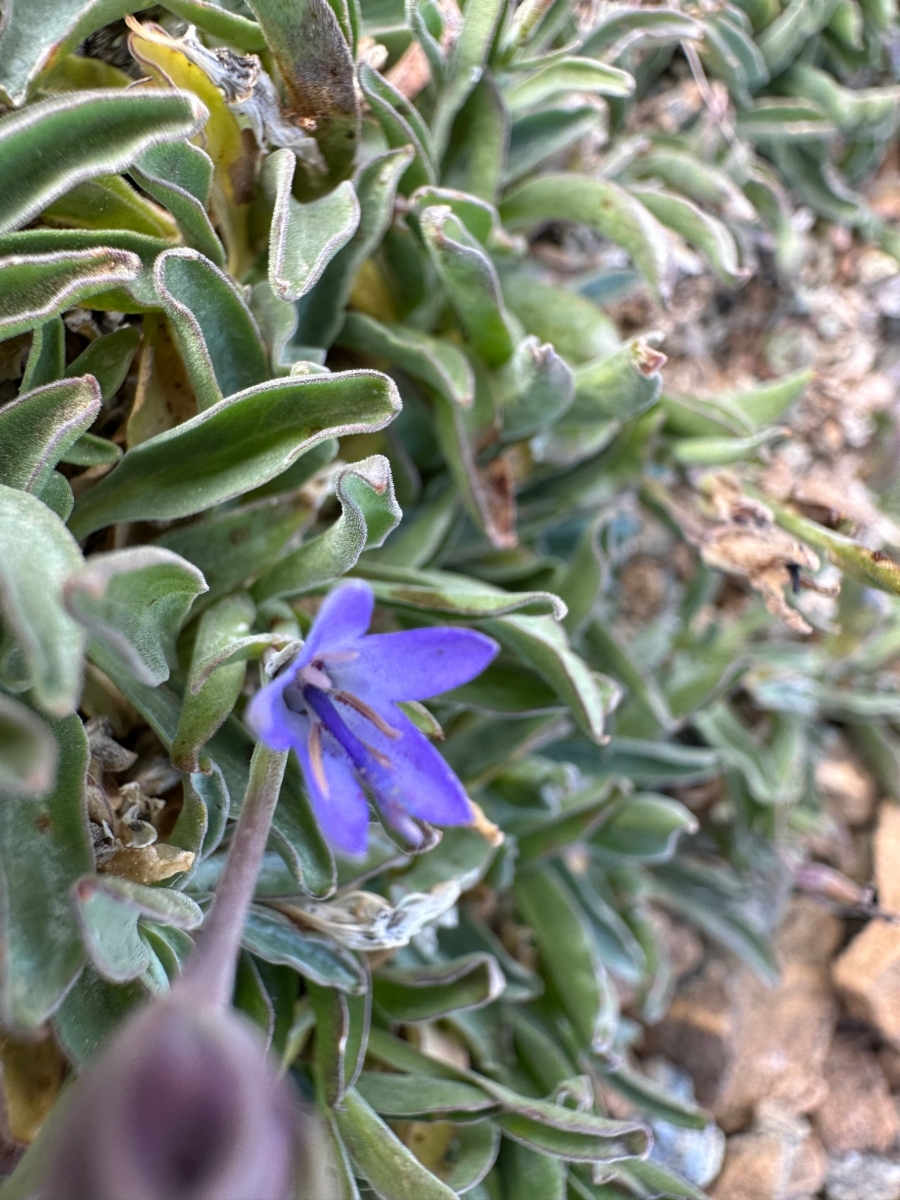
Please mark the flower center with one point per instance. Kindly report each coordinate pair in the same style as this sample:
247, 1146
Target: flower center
313, 692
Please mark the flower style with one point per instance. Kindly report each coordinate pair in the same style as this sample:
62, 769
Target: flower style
336, 706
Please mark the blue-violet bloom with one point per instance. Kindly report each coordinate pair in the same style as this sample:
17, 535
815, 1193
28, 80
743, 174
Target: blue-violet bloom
336, 706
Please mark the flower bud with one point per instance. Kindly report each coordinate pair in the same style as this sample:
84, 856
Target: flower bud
183, 1105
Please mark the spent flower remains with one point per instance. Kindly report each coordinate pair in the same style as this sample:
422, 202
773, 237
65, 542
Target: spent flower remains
336, 705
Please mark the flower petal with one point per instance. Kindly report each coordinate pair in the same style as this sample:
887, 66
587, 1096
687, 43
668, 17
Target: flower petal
416, 664
418, 781
343, 814
344, 616
270, 719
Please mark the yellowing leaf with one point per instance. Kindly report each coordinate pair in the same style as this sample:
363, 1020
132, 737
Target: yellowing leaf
222, 139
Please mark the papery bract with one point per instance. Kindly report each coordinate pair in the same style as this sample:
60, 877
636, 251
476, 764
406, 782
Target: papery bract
336, 705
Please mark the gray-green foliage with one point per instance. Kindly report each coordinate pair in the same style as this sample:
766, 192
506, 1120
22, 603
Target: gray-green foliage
284, 354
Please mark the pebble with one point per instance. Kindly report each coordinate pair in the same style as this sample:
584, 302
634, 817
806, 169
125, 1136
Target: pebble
863, 1177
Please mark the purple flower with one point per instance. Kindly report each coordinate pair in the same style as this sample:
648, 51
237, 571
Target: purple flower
336, 706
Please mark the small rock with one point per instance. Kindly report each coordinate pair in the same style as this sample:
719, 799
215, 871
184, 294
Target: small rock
694, 1154
744, 1042
868, 976
863, 1177
808, 935
699, 1029
810, 1170
847, 788
757, 1167
859, 1112
889, 1061
887, 857
684, 947
778, 1160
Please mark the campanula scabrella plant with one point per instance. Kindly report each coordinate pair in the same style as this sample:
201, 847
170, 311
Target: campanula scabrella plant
296, 290
336, 706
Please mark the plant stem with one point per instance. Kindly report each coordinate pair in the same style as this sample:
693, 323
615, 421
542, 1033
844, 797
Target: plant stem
209, 975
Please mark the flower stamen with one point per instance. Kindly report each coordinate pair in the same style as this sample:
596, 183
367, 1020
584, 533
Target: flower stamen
316, 758
369, 713
316, 676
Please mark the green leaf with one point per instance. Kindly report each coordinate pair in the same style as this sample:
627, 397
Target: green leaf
209, 700
542, 644
36, 31
434, 361
538, 136
471, 283
480, 218
108, 909
534, 389
569, 955
575, 327
644, 827
109, 202
320, 316
527, 1172
654, 1100
31, 598
213, 17
38, 429
719, 451
233, 546
488, 501
412, 1097
645, 763
28, 752
707, 234
402, 127
626, 24
135, 601
606, 207
34, 287
566, 75
316, 69
44, 849
219, 340
797, 23
274, 939
342, 1028
369, 511
773, 119
872, 568
92, 1011
621, 386
238, 444
429, 992
465, 66
108, 358
459, 1155
702, 181
381, 1158
91, 451
304, 238
47, 356
57, 143
179, 176
699, 896
454, 595
476, 154
506, 687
